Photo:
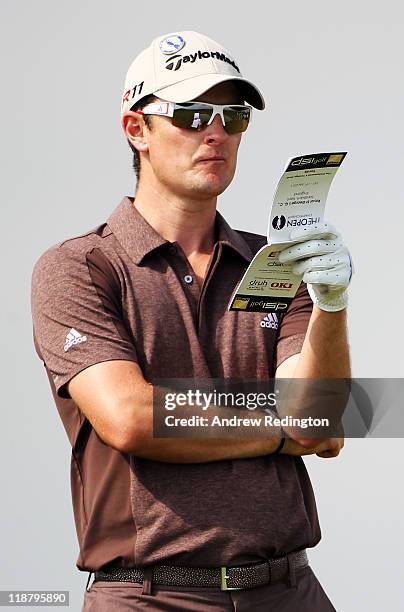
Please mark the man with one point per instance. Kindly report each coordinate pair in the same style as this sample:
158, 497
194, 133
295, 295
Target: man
169, 523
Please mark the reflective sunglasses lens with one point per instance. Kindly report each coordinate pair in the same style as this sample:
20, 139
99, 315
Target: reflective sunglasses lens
191, 118
236, 120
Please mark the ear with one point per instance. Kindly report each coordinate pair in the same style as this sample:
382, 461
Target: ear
134, 127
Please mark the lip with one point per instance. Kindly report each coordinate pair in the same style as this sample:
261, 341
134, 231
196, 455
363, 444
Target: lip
210, 159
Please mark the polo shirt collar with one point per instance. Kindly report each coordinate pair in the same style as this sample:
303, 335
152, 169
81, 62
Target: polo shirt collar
228, 236
139, 238
136, 236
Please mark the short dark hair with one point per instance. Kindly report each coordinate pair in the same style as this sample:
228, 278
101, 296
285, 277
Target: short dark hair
147, 119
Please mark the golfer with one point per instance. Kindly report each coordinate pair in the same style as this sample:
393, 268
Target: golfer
179, 523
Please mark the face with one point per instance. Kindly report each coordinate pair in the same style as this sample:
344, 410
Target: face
191, 163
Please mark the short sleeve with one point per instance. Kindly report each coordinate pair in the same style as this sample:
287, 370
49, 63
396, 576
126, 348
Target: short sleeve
76, 313
293, 326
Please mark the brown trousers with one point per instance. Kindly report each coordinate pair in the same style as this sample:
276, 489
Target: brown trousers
300, 592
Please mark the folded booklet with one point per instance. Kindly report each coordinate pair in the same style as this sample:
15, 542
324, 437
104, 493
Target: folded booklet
299, 201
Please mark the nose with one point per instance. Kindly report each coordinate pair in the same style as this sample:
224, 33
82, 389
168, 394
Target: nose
215, 132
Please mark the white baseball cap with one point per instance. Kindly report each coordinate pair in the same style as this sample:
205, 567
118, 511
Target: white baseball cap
180, 66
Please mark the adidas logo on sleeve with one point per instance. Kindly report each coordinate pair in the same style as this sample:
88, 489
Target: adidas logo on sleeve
73, 337
270, 320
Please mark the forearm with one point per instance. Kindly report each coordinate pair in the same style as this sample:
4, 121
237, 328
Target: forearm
142, 442
324, 356
325, 351
204, 450
201, 450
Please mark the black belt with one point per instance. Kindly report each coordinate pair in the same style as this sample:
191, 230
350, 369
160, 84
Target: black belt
227, 578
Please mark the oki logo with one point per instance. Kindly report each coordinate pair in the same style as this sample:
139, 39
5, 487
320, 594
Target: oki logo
281, 285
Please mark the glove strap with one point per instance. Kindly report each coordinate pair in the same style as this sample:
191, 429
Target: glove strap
332, 301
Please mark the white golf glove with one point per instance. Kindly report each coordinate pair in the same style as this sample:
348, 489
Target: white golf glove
325, 263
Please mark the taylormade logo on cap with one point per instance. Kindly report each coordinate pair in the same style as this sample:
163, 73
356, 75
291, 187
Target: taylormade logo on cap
199, 55
179, 67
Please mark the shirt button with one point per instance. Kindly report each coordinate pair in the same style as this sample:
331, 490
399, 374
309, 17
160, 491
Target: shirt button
173, 249
188, 279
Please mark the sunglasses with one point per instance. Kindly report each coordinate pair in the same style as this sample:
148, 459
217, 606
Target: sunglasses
197, 115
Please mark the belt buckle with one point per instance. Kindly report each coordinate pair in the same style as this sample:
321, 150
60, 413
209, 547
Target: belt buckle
223, 580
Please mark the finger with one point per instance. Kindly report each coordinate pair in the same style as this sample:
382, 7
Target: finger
323, 262
334, 279
310, 248
319, 230
328, 454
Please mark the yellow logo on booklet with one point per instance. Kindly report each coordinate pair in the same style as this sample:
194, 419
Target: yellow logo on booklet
335, 159
241, 303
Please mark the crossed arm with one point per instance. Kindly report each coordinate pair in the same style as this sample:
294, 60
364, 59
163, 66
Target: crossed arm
118, 402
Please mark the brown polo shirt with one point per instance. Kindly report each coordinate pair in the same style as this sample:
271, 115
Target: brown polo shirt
121, 291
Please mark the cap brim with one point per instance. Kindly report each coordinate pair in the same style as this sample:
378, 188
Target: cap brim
191, 88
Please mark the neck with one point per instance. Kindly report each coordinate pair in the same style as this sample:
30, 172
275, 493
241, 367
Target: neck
189, 222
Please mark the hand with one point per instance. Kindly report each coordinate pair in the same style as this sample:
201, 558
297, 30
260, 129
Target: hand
333, 446
326, 449
325, 263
